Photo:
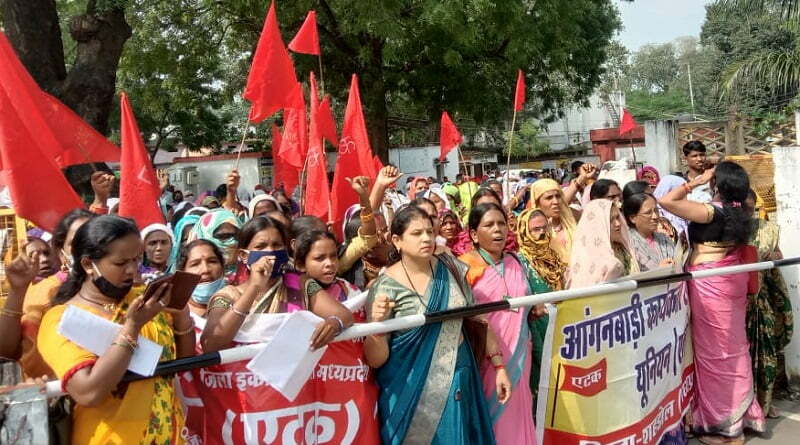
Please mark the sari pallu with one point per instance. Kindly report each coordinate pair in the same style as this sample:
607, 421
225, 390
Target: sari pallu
430, 386
512, 422
724, 402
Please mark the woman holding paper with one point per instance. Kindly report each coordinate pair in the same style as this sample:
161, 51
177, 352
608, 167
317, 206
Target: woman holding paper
725, 403
430, 387
262, 287
494, 275
105, 253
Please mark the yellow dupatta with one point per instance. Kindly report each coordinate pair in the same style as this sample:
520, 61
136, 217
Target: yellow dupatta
568, 223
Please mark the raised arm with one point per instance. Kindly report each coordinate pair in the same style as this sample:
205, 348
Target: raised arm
20, 273
386, 177
676, 203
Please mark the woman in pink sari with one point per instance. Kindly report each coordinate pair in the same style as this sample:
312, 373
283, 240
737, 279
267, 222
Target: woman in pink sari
724, 403
495, 275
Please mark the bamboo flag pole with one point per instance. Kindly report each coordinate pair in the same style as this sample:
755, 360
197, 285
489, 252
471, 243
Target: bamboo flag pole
321, 78
247, 352
507, 183
241, 145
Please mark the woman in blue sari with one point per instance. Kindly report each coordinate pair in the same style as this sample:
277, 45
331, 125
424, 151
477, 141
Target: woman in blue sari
430, 387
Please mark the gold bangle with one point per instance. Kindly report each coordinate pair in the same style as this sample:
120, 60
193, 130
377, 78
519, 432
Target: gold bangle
188, 330
367, 218
10, 313
124, 345
238, 312
128, 339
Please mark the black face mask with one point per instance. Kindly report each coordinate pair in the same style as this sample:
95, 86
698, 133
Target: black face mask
108, 289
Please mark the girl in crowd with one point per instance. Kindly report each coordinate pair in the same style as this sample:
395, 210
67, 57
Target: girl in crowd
601, 251
106, 252
221, 228
315, 255
158, 241
724, 402
651, 248
430, 388
546, 195
606, 189
495, 274
260, 288
202, 257
770, 321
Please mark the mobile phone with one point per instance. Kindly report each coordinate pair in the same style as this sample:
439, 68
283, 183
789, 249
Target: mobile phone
183, 284
281, 259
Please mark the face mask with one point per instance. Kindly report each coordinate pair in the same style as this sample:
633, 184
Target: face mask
281, 259
204, 291
107, 288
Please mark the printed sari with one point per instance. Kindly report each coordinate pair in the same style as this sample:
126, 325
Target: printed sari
770, 321
724, 402
430, 388
650, 252
512, 421
142, 412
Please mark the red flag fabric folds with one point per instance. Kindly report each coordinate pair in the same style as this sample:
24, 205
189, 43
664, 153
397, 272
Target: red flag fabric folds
449, 137
325, 121
139, 189
307, 40
628, 122
38, 189
294, 143
317, 192
271, 82
60, 133
285, 175
355, 155
519, 94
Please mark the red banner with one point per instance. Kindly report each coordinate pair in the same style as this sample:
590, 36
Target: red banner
585, 381
228, 404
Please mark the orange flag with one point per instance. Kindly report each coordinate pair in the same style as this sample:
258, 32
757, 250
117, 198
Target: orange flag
317, 192
355, 155
307, 40
271, 82
519, 94
139, 189
449, 137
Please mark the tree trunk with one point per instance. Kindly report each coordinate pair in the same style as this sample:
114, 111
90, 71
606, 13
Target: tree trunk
89, 87
376, 112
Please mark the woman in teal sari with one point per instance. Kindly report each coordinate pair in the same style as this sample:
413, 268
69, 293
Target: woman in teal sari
430, 388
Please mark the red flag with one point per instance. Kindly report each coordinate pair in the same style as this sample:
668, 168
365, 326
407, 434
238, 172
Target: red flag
294, 143
38, 189
325, 121
317, 192
61, 135
519, 94
628, 122
285, 175
355, 155
271, 82
585, 381
307, 41
449, 137
139, 189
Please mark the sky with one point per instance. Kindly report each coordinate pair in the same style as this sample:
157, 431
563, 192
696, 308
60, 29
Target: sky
659, 21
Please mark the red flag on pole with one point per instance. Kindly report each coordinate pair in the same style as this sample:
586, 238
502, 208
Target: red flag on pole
355, 155
271, 82
317, 192
326, 122
139, 189
60, 133
449, 137
628, 122
519, 94
307, 40
39, 191
585, 381
285, 175
294, 143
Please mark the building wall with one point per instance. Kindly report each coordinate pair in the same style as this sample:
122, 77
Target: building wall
415, 161
573, 128
212, 173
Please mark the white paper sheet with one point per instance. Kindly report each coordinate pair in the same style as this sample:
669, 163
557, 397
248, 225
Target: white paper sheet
286, 363
95, 334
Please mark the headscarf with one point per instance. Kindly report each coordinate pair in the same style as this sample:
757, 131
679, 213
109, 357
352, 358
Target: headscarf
539, 254
438, 192
539, 188
666, 185
208, 200
251, 208
179, 206
188, 220
210, 222
593, 259
444, 213
157, 227
412, 190
645, 169
348, 215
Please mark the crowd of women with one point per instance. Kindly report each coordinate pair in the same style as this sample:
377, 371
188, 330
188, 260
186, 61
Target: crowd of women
432, 248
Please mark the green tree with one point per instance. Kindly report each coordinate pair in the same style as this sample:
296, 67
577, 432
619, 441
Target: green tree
654, 68
526, 142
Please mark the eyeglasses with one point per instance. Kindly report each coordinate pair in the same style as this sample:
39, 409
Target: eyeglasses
654, 213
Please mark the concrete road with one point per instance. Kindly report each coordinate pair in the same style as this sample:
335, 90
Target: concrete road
782, 431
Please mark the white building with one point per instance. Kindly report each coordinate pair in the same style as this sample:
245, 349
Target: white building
573, 128
202, 173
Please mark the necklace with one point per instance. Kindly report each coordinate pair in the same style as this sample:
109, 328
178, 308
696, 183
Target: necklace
408, 277
108, 307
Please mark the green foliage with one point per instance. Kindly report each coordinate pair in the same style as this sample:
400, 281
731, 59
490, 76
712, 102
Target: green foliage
526, 142
654, 68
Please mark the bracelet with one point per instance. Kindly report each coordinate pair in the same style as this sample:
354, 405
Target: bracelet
129, 342
338, 320
365, 213
493, 355
367, 218
238, 312
498, 367
10, 313
185, 331
124, 345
